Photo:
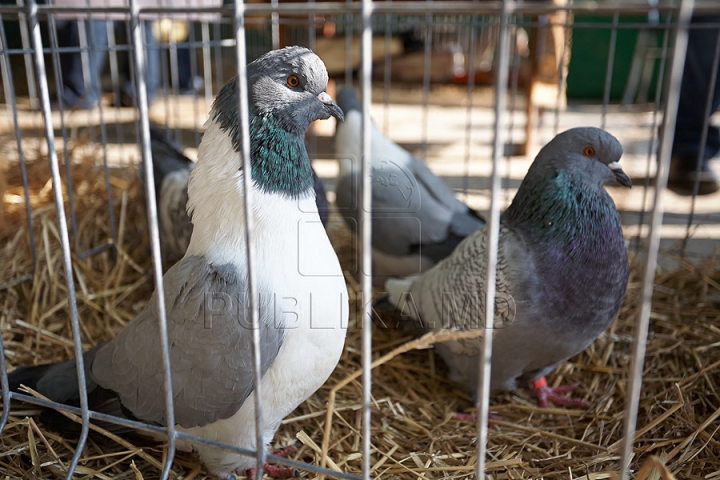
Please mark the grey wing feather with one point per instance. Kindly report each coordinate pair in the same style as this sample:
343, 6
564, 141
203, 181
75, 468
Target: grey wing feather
210, 348
452, 294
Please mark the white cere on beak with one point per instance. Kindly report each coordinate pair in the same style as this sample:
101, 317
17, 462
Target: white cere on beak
325, 98
614, 166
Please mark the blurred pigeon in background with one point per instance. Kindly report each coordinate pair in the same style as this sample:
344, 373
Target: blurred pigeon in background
561, 278
416, 218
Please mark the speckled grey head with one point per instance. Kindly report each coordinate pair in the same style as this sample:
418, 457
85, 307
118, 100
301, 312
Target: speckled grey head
289, 84
589, 151
287, 93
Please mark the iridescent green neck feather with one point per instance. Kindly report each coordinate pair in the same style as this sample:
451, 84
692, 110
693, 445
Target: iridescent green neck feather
279, 159
280, 163
577, 241
564, 208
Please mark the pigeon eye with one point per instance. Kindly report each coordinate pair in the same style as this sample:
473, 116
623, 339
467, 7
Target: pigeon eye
293, 80
589, 151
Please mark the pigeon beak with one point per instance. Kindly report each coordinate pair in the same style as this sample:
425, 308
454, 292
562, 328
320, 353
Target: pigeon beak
330, 106
620, 176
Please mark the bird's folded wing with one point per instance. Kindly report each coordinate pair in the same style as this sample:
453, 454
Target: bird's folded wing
210, 348
452, 294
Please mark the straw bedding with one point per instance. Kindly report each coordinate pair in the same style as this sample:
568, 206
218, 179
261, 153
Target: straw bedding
413, 432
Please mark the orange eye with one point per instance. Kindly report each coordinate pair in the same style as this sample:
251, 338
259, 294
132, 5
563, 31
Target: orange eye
589, 151
293, 80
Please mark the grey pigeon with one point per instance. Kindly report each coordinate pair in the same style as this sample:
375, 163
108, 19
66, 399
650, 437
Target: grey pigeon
416, 218
302, 295
562, 271
172, 172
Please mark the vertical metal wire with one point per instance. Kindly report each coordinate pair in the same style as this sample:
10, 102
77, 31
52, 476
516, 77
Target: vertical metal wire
252, 307
653, 244
88, 75
62, 230
561, 71
609, 69
349, 31
63, 129
115, 80
483, 394
311, 136
141, 100
193, 76
95, 82
653, 131
114, 69
4, 69
218, 58
9, 99
426, 82
469, 110
703, 139
366, 233
131, 71
515, 67
311, 26
207, 64
24, 36
174, 85
10, 96
387, 73
275, 20
164, 85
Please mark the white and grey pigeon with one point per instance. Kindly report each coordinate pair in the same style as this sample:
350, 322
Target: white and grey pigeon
302, 295
172, 173
416, 218
562, 271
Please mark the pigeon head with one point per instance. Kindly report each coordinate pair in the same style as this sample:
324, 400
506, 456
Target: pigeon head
588, 152
291, 84
287, 92
564, 187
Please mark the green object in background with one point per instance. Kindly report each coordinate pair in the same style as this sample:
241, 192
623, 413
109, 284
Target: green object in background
589, 59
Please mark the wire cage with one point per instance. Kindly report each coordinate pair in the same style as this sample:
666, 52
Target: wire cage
474, 89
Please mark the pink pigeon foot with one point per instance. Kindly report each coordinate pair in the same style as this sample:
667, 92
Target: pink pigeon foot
465, 417
284, 452
540, 389
275, 472
278, 472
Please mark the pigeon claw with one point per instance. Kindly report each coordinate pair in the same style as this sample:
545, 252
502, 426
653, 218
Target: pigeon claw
545, 395
275, 472
278, 472
284, 452
472, 417
281, 472
465, 417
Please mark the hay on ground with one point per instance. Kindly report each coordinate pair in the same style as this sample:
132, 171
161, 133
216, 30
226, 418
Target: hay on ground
413, 432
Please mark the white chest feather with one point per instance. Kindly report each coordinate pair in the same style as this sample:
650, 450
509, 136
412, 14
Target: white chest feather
297, 273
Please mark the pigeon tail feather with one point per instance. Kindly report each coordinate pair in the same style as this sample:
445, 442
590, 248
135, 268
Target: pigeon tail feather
397, 288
